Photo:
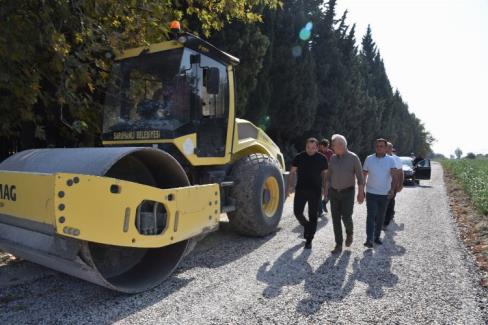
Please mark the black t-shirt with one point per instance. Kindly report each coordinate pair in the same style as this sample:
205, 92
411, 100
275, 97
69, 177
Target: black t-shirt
309, 169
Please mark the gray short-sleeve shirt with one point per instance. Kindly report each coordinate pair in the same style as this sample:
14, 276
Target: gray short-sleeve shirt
343, 170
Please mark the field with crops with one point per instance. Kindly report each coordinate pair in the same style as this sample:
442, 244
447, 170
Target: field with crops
472, 174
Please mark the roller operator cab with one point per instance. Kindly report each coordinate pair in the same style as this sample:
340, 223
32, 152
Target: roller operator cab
179, 93
175, 158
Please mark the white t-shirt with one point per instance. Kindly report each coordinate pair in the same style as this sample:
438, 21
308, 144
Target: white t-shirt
398, 162
379, 174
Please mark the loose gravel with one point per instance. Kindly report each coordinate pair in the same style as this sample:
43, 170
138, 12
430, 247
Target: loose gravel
422, 274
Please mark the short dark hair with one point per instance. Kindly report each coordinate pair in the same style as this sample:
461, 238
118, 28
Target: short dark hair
382, 140
312, 140
324, 142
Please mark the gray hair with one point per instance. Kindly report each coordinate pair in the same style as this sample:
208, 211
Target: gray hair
389, 144
340, 138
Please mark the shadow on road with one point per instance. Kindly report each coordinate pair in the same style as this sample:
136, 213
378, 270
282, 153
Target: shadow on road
287, 270
374, 268
329, 282
103, 306
52, 296
332, 282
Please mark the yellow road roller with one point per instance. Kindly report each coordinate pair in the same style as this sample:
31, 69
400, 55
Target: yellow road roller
175, 158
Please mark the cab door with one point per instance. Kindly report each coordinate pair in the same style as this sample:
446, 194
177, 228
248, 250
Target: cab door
423, 169
210, 105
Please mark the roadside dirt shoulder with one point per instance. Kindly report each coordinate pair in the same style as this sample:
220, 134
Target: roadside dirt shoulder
473, 225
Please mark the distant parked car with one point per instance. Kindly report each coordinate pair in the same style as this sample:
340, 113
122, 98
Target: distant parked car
408, 173
414, 173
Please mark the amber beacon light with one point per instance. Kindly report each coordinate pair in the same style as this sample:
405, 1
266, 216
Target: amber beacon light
175, 26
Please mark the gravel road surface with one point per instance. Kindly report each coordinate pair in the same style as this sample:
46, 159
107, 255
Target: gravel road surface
421, 274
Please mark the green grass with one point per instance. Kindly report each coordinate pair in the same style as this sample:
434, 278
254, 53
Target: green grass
473, 176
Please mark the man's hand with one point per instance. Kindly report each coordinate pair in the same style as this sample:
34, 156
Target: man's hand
361, 194
360, 197
326, 193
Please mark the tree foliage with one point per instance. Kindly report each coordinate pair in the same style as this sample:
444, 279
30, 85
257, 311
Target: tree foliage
458, 152
57, 54
352, 92
302, 72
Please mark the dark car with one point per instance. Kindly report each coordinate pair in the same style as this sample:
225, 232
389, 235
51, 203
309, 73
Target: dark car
414, 173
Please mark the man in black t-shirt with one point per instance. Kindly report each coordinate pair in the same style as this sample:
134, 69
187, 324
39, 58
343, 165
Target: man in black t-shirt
310, 168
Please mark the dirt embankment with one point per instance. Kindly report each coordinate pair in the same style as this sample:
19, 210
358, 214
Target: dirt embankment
473, 225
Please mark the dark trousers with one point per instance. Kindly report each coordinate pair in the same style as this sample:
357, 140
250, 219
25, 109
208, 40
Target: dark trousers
312, 197
341, 205
390, 211
376, 207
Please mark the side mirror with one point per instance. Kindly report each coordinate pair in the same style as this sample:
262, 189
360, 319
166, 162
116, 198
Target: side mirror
213, 80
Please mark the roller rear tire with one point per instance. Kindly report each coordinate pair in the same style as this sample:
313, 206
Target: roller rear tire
259, 195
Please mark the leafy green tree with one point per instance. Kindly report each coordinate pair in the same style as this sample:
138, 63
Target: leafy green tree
301, 73
249, 44
458, 152
58, 54
293, 99
285, 98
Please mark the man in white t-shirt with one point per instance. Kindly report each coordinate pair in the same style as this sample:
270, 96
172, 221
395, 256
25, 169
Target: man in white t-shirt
379, 173
390, 209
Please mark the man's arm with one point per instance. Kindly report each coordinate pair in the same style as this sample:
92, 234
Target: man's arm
361, 194
365, 176
291, 178
394, 180
365, 170
358, 170
400, 180
325, 182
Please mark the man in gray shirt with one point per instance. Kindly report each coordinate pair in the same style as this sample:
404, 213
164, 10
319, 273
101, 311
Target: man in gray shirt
344, 169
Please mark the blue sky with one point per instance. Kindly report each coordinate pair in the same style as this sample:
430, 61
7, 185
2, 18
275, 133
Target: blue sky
436, 54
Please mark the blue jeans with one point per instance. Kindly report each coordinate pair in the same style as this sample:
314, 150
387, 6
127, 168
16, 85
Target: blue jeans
376, 207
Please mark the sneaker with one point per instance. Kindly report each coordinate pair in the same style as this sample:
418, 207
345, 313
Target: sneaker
337, 249
378, 241
368, 244
308, 244
348, 240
